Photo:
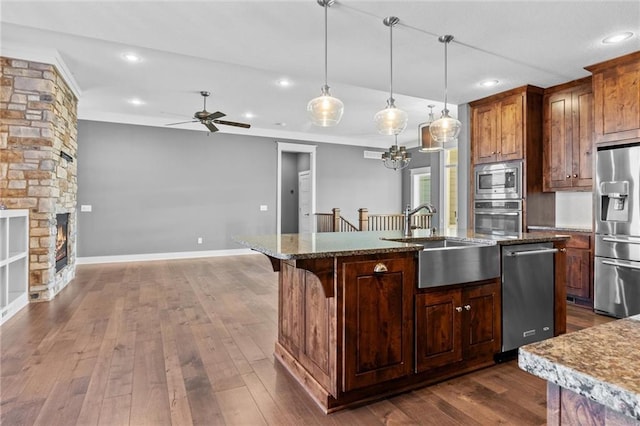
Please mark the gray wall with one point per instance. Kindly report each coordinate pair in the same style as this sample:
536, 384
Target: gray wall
156, 190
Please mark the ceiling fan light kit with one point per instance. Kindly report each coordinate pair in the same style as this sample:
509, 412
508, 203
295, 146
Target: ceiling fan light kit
325, 110
445, 129
210, 119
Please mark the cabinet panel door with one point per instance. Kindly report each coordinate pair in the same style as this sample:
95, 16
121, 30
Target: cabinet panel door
511, 129
438, 326
378, 323
579, 273
291, 301
558, 147
481, 328
621, 98
485, 133
583, 138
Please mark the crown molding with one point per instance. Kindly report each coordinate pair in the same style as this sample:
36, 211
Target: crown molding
42, 55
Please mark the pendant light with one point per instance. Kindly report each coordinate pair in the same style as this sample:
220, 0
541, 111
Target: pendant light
325, 110
445, 129
396, 158
391, 120
427, 143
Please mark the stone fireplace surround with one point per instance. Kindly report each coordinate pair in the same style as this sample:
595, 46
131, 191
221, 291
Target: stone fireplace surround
38, 168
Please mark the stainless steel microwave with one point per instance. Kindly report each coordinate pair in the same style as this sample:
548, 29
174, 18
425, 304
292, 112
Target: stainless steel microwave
498, 181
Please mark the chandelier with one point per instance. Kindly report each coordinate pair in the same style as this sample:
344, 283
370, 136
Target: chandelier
396, 158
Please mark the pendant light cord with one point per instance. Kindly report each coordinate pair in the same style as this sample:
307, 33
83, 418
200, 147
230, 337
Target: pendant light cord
391, 64
445, 74
325, 44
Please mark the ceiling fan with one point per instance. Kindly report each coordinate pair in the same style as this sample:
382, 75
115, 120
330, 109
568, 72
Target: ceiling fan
209, 118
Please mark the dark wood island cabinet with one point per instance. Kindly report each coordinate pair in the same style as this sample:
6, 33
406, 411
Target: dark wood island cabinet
353, 325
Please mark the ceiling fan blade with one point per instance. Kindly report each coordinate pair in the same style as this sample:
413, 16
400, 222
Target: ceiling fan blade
232, 123
210, 126
215, 115
181, 122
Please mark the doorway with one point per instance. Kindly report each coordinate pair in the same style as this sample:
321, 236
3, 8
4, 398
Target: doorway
309, 150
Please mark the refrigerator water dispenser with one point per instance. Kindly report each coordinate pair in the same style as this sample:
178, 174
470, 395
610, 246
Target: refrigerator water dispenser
614, 199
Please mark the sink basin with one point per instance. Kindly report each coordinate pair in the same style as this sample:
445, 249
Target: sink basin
445, 262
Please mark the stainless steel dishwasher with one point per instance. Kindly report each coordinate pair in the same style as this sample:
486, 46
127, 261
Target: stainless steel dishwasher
528, 279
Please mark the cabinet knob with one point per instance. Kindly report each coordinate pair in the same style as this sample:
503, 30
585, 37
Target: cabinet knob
575, 176
459, 308
467, 307
380, 267
493, 153
568, 176
563, 250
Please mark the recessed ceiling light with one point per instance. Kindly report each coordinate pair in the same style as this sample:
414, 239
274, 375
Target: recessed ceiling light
617, 38
131, 57
248, 115
136, 101
283, 82
489, 83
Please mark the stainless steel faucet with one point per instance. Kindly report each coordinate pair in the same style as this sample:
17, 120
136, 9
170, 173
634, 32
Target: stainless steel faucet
408, 213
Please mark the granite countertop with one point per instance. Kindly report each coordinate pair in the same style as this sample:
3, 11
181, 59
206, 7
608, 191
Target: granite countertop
330, 244
600, 363
560, 228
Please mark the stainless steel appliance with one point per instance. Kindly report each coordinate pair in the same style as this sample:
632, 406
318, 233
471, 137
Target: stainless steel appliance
498, 181
499, 217
617, 253
527, 293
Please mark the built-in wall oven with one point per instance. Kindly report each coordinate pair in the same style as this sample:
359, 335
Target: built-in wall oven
617, 251
498, 217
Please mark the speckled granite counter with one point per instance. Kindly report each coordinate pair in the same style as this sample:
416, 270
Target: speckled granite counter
330, 244
559, 228
600, 363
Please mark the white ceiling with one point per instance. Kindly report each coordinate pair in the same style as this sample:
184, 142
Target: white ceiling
239, 49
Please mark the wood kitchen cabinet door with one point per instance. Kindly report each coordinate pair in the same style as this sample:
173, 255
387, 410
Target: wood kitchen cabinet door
378, 321
616, 92
438, 328
481, 325
485, 133
568, 136
510, 146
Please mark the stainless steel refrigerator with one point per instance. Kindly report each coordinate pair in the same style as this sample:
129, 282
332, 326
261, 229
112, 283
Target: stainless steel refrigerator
617, 253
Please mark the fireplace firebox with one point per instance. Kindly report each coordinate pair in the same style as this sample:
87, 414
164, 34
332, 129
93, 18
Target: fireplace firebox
62, 230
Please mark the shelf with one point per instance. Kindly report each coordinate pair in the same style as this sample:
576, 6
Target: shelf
14, 262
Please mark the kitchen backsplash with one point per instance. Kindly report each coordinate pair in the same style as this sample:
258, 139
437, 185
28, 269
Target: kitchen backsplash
574, 209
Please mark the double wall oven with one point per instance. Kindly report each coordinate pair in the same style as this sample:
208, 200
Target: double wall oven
497, 202
617, 254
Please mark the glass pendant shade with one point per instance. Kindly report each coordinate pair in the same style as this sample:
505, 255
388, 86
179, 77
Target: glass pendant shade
391, 120
445, 129
325, 110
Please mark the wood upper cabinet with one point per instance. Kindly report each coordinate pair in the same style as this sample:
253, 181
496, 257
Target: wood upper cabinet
459, 324
378, 320
616, 92
568, 136
497, 130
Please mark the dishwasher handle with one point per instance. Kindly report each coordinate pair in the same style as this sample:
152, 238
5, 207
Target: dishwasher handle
531, 252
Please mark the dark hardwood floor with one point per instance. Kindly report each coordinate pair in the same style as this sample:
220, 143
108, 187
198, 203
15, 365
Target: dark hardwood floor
191, 342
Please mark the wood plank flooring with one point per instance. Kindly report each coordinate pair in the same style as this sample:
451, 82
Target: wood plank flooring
191, 342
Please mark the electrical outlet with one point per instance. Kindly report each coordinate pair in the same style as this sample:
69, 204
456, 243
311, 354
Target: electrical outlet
263, 208
85, 208
199, 240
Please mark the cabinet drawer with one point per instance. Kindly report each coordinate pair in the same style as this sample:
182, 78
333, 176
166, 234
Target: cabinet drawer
580, 241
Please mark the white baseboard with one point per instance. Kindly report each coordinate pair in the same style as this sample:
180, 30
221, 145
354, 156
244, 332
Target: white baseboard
90, 260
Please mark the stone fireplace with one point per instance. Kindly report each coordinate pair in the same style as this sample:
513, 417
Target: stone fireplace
38, 169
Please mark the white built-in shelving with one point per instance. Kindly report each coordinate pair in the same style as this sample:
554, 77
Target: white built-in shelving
14, 262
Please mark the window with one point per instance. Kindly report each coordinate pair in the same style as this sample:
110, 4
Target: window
450, 189
420, 186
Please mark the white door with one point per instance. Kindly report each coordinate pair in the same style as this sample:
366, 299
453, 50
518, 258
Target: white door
305, 224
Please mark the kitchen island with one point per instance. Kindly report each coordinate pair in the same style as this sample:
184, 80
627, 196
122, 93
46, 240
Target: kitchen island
353, 326
593, 375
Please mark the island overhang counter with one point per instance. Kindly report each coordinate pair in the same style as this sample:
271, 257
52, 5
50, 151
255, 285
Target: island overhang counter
354, 327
